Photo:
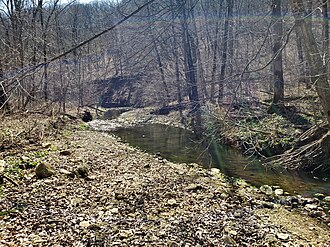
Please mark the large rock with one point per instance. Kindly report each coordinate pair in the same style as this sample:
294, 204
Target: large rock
44, 170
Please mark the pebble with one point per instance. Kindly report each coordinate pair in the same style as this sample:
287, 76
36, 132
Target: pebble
319, 196
266, 189
172, 202
279, 192
326, 199
311, 206
84, 224
283, 236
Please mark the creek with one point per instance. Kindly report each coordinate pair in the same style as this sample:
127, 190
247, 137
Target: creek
180, 145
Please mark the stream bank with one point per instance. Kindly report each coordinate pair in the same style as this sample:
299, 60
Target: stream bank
164, 134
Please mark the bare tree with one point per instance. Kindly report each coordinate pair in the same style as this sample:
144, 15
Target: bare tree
277, 66
314, 57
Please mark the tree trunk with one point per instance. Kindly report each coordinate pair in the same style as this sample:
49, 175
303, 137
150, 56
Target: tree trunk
277, 105
190, 71
302, 64
314, 57
325, 31
230, 4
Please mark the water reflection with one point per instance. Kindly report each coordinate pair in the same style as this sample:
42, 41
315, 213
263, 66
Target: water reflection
180, 145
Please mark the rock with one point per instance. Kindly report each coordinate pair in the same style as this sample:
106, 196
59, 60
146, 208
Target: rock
25, 158
268, 205
44, 170
172, 202
76, 201
2, 166
125, 233
46, 145
229, 241
270, 238
311, 206
279, 192
94, 227
215, 171
317, 214
87, 117
65, 152
90, 177
326, 199
266, 189
114, 210
283, 236
194, 187
65, 172
84, 224
82, 171
319, 196
309, 201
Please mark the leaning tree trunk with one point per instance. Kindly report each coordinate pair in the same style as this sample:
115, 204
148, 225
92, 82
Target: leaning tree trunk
313, 56
313, 150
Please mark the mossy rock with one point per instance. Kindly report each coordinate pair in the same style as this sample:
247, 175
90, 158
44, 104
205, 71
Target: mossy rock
82, 171
44, 170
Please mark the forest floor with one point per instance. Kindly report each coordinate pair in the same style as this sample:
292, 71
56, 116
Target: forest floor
125, 197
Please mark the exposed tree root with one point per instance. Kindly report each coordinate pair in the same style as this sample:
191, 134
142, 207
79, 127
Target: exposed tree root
312, 152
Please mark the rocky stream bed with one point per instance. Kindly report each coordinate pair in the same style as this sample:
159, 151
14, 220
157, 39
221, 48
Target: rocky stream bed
106, 193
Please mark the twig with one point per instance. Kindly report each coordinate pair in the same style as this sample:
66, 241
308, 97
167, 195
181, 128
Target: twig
9, 179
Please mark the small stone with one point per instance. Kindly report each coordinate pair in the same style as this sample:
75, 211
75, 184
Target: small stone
84, 224
172, 202
266, 189
114, 210
25, 158
65, 172
311, 206
317, 214
2, 166
229, 241
237, 214
319, 196
224, 195
283, 236
46, 145
194, 187
215, 172
125, 233
76, 201
94, 227
65, 152
44, 170
270, 238
279, 192
268, 205
90, 178
82, 171
326, 199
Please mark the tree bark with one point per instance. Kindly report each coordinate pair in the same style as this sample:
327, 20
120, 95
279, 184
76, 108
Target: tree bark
314, 57
190, 54
277, 105
230, 4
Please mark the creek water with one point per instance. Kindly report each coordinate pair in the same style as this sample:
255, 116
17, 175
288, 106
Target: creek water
179, 145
